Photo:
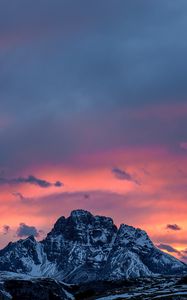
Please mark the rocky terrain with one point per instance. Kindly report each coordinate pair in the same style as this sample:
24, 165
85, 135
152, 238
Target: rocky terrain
84, 248
88, 257
20, 288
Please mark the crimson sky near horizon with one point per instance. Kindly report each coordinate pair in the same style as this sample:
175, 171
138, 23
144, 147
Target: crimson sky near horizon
93, 115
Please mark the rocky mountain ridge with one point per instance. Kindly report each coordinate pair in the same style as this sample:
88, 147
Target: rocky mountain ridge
83, 248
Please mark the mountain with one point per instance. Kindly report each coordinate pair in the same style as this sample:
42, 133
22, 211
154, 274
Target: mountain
83, 248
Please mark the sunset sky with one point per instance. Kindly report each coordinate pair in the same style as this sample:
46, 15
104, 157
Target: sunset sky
93, 115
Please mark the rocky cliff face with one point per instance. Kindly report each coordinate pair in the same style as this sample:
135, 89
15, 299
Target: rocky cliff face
84, 248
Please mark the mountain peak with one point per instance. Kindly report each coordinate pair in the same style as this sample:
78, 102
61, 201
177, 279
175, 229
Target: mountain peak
84, 247
31, 238
59, 225
130, 235
81, 215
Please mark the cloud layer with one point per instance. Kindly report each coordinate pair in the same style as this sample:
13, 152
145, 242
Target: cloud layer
85, 87
76, 73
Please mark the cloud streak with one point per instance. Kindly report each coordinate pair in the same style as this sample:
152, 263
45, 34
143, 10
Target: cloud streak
123, 175
30, 180
173, 227
182, 254
168, 248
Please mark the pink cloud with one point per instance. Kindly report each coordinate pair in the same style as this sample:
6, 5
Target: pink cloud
183, 145
150, 206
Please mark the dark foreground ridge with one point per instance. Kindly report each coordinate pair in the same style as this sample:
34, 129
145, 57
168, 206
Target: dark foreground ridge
163, 288
87, 248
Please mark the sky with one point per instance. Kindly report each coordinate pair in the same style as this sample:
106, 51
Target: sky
93, 115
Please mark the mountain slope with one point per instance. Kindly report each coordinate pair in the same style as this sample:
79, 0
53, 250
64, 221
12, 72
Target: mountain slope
84, 247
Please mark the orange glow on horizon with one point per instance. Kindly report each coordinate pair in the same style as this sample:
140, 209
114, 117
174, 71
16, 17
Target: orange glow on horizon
150, 205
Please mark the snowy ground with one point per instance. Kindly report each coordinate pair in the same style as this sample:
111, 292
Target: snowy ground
163, 288
157, 288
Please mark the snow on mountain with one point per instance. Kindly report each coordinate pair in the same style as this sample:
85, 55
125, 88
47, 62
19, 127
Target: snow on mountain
84, 247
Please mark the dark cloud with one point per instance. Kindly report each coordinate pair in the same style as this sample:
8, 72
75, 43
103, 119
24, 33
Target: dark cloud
174, 227
123, 175
6, 229
65, 64
168, 248
121, 48
58, 184
31, 180
25, 230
